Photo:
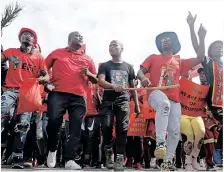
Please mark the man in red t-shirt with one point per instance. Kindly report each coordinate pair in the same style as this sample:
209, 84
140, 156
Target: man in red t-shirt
24, 63
71, 70
165, 69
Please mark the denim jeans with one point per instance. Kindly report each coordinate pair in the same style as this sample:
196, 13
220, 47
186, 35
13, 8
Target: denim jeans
167, 118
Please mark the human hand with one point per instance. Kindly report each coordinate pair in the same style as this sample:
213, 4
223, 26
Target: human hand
118, 88
146, 83
202, 32
191, 20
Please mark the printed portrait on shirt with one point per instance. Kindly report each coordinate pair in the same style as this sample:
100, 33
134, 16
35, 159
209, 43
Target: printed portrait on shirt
167, 76
119, 78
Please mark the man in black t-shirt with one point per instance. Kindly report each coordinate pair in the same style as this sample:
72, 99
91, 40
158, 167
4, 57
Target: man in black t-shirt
114, 76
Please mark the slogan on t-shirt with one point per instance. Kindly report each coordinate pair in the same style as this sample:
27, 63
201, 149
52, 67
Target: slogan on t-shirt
137, 126
193, 98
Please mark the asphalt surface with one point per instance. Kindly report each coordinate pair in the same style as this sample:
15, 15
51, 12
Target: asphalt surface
7, 168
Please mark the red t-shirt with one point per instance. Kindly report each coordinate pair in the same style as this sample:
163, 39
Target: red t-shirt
22, 66
67, 75
91, 100
166, 70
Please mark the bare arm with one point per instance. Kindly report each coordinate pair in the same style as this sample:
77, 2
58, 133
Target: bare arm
141, 73
201, 49
3, 58
191, 20
92, 78
194, 39
103, 83
135, 96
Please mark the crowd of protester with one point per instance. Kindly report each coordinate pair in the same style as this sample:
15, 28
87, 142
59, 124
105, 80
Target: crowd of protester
88, 111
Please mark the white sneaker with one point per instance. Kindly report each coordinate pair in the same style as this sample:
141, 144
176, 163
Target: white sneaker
72, 165
51, 159
196, 166
188, 161
153, 163
202, 163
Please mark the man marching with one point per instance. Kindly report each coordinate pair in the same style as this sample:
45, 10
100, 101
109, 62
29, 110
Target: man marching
24, 63
165, 69
116, 75
69, 94
213, 69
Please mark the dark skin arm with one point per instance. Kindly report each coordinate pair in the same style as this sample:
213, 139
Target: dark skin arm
44, 77
191, 20
135, 97
141, 76
90, 75
201, 49
3, 58
103, 83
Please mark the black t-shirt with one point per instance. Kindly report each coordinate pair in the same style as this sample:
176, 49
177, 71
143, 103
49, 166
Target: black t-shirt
119, 74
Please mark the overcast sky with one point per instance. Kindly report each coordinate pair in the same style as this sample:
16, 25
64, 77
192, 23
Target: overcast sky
134, 22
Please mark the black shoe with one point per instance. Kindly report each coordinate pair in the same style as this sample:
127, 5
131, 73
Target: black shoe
178, 165
210, 168
168, 166
18, 163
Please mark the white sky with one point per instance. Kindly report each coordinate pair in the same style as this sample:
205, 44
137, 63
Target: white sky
134, 22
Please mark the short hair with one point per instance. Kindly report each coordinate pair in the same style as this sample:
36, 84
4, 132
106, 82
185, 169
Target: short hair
200, 70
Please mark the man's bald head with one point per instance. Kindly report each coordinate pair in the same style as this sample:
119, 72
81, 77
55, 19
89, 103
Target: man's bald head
117, 42
115, 48
75, 40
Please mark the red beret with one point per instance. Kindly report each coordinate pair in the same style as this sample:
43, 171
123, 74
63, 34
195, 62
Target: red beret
28, 30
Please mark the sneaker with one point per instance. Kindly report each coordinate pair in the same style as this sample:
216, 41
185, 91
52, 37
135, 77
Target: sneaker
153, 163
210, 168
168, 166
196, 166
138, 166
28, 164
202, 163
109, 158
129, 163
160, 151
119, 164
188, 163
18, 163
72, 165
51, 159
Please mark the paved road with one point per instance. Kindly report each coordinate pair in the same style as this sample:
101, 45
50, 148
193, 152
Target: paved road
92, 169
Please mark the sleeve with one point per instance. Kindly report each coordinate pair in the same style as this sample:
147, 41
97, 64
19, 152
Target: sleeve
147, 63
185, 65
131, 74
92, 67
102, 69
50, 59
8, 53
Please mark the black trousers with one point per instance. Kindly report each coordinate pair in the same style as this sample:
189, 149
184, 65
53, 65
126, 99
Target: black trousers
134, 148
92, 134
120, 110
58, 103
148, 150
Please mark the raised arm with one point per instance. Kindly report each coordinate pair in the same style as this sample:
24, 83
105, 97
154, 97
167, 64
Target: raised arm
201, 49
188, 64
191, 20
